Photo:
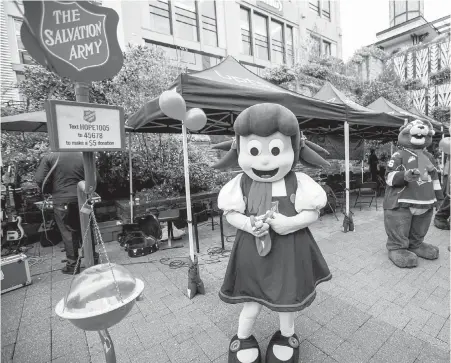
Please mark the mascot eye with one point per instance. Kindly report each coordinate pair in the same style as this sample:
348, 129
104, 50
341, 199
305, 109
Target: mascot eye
276, 146
254, 147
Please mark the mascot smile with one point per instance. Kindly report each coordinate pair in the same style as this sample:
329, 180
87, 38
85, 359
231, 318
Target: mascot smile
413, 190
275, 262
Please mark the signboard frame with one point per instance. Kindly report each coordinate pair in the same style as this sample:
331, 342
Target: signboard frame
52, 125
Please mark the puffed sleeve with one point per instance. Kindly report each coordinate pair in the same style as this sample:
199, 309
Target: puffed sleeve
309, 195
230, 198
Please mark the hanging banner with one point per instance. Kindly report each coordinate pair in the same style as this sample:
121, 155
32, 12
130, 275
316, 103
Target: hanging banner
75, 39
77, 126
336, 147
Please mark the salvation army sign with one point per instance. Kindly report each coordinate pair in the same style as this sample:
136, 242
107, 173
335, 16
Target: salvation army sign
78, 126
75, 39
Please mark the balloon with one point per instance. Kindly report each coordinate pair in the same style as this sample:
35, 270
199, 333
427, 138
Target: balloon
173, 105
195, 119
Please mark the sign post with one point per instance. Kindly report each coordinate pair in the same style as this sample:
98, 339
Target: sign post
78, 40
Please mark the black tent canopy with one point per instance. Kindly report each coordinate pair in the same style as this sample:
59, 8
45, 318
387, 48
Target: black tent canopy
365, 123
383, 105
223, 91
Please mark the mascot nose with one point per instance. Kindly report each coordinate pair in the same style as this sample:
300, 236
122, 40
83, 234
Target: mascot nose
421, 127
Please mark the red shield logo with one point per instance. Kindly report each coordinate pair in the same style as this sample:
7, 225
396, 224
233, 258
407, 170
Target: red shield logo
74, 34
89, 116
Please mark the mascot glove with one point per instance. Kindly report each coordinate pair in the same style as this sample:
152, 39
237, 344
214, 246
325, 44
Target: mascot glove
285, 225
242, 222
411, 175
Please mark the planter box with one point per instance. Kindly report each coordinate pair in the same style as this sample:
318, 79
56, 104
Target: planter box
110, 230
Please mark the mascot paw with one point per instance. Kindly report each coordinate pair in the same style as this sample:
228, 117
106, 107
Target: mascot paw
441, 224
426, 251
403, 258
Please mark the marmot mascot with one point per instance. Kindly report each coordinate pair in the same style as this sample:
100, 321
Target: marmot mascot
413, 189
275, 261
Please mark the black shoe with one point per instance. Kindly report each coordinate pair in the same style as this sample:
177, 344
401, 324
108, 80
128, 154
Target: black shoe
241, 344
441, 224
279, 339
69, 269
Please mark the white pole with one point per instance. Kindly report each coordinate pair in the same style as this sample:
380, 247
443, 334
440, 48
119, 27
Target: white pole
347, 165
188, 193
130, 167
362, 171
443, 157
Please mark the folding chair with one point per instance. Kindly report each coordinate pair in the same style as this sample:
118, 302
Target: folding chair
366, 191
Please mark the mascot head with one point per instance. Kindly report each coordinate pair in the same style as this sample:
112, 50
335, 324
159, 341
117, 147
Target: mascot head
416, 134
268, 144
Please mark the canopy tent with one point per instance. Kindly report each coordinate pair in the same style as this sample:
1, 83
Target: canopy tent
379, 125
25, 122
383, 105
223, 91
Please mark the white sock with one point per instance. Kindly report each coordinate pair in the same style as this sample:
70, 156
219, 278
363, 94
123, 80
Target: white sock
246, 323
287, 329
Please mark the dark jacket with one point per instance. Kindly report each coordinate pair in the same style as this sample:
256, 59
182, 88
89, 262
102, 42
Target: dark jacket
62, 183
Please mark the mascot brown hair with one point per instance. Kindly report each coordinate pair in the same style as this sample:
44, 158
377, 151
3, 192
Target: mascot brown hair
275, 262
413, 189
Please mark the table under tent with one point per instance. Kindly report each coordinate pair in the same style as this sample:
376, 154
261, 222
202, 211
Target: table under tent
223, 91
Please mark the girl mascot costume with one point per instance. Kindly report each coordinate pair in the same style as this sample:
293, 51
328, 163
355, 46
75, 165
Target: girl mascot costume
275, 261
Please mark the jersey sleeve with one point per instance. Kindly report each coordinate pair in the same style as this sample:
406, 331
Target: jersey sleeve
394, 174
309, 194
230, 198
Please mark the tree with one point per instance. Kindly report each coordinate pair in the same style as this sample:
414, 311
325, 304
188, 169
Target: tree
157, 159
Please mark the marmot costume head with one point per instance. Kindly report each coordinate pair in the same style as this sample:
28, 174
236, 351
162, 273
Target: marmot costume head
416, 134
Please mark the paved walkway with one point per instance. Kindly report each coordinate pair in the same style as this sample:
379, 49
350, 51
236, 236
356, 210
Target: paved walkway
370, 311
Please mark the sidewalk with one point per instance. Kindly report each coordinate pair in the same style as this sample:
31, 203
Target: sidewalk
371, 311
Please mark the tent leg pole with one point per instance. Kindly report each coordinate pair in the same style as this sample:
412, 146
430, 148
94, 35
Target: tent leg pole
130, 167
442, 161
188, 194
347, 165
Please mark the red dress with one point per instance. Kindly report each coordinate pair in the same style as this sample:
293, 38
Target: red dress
285, 279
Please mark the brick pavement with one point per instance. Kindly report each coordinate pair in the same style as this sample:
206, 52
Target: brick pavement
371, 311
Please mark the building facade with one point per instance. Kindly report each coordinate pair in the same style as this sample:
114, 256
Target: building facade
420, 54
199, 34
258, 33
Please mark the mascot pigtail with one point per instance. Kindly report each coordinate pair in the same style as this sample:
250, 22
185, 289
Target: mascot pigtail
308, 154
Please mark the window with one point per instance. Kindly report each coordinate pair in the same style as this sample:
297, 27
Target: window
160, 18
327, 49
245, 31
277, 43
316, 45
186, 19
261, 36
326, 9
254, 69
24, 57
314, 6
404, 10
208, 61
209, 27
290, 42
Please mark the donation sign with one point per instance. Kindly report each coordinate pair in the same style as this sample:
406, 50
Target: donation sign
74, 39
77, 126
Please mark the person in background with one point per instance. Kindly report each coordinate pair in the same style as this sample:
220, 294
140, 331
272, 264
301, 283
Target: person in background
59, 174
441, 219
373, 162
